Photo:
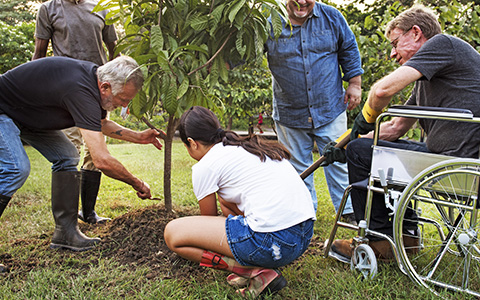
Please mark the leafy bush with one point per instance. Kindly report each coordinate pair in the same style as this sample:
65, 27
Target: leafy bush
16, 44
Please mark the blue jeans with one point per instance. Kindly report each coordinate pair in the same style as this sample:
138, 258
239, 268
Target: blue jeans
300, 143
14, 162
359, 159
267, 249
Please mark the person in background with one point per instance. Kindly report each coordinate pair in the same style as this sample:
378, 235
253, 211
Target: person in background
267, 211
77, 32
309, 63
260, 122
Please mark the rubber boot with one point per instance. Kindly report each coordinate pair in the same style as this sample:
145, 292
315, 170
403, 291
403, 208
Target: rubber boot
88, 194
3, 203
262, 281
65, 192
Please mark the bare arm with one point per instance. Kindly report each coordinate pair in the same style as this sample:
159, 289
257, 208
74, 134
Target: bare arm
109, 165
41, 47
394, 129
383, 90
353, 94
113, 130
208, 205
111, 50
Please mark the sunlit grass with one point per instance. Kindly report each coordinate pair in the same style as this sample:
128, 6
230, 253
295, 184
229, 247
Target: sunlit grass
29, 219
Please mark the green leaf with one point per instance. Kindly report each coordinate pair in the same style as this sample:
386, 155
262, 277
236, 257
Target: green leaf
217, 13
138, 104
222, 70
241, 48
277, 24
369, 22
235, 9
183, 88
156, 39
199, 23
170, 101
143, 59
194, 48
162, 60
172, 43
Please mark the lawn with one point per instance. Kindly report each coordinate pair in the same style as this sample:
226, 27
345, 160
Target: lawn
37, 272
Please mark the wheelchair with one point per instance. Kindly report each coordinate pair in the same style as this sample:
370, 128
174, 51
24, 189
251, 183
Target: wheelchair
439, 194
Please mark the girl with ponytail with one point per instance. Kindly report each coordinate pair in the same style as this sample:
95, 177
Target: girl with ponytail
267, 214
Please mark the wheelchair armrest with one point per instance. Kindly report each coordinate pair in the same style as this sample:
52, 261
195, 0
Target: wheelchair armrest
427, 111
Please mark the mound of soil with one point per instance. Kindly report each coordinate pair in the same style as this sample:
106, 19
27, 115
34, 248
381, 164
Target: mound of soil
136, 239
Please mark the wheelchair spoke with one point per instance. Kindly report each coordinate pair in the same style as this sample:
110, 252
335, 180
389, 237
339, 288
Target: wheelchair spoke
445, 201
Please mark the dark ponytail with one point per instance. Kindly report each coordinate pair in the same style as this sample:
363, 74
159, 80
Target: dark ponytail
203, 126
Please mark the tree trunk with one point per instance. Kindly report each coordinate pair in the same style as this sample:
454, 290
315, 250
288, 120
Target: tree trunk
229, 123
250, 125
167, 172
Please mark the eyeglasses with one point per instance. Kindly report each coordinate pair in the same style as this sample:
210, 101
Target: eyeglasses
395, 41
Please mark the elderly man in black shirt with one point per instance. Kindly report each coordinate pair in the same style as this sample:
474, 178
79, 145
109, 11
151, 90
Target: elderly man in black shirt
41, 97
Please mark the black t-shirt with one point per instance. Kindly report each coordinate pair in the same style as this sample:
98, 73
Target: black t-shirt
451, 78
52, 93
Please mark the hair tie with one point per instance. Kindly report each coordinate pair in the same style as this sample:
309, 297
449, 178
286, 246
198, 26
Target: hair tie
220, 132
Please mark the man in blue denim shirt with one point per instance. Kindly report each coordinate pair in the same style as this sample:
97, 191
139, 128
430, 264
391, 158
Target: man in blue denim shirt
307, 63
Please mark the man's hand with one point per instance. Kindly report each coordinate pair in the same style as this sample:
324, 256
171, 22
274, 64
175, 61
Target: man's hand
150, 136
361, 126
333, 154
365, 121
353, 94
143, 190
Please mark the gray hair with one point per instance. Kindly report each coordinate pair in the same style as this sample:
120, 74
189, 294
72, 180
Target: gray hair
119, 71
418, 15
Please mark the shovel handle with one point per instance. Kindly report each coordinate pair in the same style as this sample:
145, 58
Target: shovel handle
344, 140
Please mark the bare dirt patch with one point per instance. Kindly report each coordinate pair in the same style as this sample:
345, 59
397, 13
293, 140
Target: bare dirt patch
136, 239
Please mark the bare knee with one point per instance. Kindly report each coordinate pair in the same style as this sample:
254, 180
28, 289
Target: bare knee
170, 233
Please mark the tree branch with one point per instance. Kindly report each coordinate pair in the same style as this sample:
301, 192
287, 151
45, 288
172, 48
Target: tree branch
213, 57
163, 136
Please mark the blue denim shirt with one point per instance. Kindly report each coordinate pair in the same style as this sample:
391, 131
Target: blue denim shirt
307, 65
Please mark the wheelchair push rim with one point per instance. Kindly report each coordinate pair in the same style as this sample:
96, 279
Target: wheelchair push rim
436, 227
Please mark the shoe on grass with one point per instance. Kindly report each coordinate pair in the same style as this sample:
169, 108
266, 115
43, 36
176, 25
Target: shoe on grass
342, 250
267, 282
237, 281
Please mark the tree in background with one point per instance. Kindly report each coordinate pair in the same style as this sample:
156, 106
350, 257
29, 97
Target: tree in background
17, 11
16, 44
16, 33
246, 93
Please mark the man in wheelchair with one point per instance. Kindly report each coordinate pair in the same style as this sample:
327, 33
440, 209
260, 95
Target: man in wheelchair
446, 72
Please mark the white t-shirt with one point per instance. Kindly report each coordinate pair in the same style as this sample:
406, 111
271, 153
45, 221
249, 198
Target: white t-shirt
271, 194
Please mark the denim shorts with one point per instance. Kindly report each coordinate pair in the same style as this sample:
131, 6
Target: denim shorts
267, 249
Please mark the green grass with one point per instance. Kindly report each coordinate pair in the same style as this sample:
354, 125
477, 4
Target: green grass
28, 219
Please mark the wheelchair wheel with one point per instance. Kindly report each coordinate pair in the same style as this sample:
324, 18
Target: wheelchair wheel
436, 227
364, 261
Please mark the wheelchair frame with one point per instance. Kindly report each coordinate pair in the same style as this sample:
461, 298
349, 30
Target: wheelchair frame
441, 192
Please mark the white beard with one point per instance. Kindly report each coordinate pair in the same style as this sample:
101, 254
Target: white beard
107, 104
